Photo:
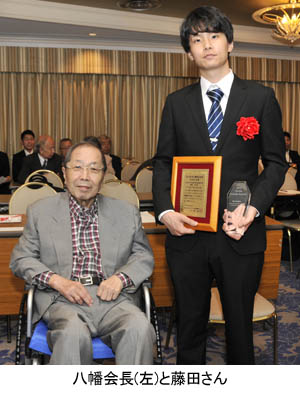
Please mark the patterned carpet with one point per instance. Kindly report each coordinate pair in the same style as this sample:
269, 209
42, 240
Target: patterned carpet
288, 309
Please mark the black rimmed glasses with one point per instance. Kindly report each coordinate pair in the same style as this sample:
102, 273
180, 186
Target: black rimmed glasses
78, 169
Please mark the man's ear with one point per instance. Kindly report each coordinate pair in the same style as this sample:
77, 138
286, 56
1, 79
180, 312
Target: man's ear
190, 56
230, 47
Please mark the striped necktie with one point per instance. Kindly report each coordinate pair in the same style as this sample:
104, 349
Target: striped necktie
45, 164
215, 116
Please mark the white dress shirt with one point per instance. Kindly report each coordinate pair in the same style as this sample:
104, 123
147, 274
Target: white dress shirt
42, 160
224, 84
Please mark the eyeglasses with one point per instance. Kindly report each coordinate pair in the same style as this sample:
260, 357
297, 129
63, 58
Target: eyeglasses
78, 169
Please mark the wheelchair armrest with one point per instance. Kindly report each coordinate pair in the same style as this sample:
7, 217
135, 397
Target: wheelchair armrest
29, 311
146, 286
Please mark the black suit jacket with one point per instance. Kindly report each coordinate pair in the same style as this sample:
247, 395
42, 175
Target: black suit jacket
117, 165
17, 164
183, 132
4, 171
32, 163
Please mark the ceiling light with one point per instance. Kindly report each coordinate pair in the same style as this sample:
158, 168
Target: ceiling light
139, 5
285, 17
92, 34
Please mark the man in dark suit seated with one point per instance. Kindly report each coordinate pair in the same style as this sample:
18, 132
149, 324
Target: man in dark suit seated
44, 157
116, 163
4, 174
292, 158
88, 255
64, 145
28, 140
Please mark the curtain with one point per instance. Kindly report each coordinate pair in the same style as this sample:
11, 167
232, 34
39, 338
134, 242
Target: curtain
126, 108
77, 92
288, 96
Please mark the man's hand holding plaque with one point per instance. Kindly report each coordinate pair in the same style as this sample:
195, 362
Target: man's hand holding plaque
177, 223
239, 214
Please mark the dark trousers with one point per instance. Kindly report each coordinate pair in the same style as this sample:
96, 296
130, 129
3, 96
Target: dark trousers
193, 268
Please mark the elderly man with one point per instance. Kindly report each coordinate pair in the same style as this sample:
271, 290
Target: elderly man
87, 254
44, 157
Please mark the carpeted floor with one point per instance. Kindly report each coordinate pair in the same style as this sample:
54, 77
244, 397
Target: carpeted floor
288, 309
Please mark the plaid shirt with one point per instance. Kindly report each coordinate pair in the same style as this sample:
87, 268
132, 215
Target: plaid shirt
85, 245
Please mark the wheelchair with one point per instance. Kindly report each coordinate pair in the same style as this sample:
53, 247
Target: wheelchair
36, 347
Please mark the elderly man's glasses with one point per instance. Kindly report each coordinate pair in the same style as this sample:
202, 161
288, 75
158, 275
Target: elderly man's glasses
78, 169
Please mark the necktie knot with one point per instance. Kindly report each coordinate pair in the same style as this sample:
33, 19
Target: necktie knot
215, 95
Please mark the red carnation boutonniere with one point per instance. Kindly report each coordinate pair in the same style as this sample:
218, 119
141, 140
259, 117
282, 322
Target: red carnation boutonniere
247, 127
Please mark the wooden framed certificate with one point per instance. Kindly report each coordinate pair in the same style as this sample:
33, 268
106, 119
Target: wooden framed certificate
195, 189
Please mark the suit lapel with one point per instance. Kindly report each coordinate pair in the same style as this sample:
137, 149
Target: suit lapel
236, 100
62, 235
194, 99
37, 162
109, 236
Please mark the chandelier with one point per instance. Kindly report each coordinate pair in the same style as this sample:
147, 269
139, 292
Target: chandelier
139, 5
285, 17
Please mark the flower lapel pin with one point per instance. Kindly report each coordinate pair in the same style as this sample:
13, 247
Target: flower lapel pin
247, 127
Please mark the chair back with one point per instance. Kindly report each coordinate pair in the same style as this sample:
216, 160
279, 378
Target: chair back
143, 182
28, 194
120, 190
289, 182
108, 177
45, 176
129, 169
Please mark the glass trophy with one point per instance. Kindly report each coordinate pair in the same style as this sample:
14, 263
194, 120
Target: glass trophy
239, 193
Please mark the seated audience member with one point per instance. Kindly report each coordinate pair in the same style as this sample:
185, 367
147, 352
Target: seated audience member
292, 158
94, 140
87, 255
28, 140
4, 174
108, 160
112, 160
44, 157
64, 145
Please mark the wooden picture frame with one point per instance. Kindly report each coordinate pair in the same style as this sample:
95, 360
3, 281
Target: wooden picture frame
195, 189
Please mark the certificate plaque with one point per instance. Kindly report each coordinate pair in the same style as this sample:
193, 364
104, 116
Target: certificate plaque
195, 189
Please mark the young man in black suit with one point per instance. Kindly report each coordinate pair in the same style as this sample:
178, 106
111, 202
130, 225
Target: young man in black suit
28, 140
233, 257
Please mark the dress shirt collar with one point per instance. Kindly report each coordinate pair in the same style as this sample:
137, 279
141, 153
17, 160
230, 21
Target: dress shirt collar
224, 84
42, 159
83, 212
27, 153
